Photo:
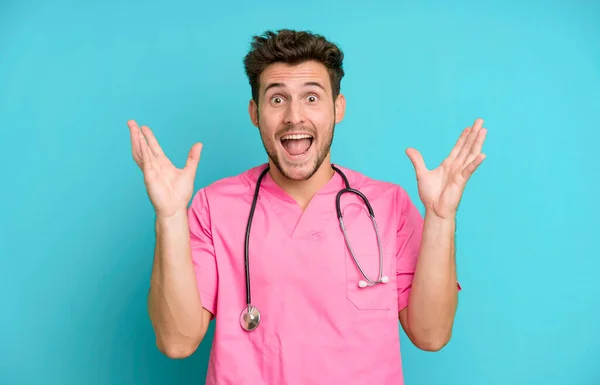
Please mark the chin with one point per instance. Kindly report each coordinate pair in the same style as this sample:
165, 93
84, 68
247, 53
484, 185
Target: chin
297, 171
297, 166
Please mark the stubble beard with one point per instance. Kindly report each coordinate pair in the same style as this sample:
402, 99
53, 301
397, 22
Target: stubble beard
322, 153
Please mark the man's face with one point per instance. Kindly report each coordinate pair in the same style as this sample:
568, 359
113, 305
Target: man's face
296, 115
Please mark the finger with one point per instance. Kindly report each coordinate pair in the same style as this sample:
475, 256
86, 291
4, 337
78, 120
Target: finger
152, 142
466, 150
134, 134
471, 167
460, 143
417, 161
191, 165
147, 157
477, 146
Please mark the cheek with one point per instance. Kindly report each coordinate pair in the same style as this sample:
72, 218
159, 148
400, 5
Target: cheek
322, 120
269, 123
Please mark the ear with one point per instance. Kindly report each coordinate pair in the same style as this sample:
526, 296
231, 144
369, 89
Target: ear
340, 108
253, 112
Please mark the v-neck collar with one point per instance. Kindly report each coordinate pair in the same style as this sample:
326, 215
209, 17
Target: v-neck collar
299, 224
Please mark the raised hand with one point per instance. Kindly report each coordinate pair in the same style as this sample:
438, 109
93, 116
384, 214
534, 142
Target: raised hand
441, 189
169, 188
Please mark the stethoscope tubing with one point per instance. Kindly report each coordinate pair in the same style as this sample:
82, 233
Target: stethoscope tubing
247, 241
250, 317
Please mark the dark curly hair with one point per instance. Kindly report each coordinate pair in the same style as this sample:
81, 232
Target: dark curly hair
292, 47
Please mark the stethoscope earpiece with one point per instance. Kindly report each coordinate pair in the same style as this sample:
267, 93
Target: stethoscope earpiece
363, 284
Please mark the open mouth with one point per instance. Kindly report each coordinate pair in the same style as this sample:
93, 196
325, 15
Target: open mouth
297, 145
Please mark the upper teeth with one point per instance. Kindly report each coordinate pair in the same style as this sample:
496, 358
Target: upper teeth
300, 136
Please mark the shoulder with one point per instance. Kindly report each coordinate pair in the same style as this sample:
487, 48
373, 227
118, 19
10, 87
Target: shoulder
376, 188
226, 189
389, 199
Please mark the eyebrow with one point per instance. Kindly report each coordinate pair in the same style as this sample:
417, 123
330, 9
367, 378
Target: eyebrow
307, 84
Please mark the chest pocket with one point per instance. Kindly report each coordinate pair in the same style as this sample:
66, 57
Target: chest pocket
365, 252
380, 296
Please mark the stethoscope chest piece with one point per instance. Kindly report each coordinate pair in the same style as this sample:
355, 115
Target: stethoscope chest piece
250, 318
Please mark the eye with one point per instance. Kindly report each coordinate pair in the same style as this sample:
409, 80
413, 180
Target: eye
276, 100
312, 98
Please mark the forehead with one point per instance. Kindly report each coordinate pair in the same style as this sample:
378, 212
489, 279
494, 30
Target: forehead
295, 76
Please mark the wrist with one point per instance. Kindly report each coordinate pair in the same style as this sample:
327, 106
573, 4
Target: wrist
177, 218
442, 221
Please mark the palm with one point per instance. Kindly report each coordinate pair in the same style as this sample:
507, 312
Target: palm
168, 187
441, 189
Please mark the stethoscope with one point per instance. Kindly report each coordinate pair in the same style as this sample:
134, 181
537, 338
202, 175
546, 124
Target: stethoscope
250, 317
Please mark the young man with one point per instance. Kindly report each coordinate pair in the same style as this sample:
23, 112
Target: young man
298, 296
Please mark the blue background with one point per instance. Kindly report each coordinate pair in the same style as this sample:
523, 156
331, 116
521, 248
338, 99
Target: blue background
76, 236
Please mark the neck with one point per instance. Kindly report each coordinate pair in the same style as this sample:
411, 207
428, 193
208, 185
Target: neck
302, 191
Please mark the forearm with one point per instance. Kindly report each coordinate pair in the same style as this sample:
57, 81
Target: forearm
174, 304
433, 297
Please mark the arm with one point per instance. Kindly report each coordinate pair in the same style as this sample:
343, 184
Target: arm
178, 318
174, 306
429, 316
431, 293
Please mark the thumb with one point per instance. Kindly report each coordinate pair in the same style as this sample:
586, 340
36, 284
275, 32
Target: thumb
193, 158
417, 161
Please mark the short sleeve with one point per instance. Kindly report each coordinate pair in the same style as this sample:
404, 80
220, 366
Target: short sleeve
408, 242
203, 251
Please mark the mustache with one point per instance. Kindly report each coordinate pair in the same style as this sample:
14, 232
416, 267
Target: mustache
298, 129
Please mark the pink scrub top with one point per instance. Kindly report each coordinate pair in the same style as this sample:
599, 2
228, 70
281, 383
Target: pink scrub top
317, 325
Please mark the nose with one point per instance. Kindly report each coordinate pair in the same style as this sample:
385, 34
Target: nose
294, 114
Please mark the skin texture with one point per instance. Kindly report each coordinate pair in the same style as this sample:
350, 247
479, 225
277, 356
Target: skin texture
174, 306
297, 99
429, 317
